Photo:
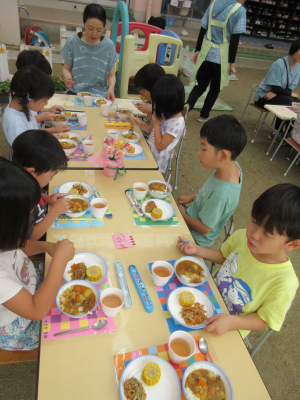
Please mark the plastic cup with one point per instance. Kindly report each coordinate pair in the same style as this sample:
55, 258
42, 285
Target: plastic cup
82, 118
161, 280
109, 311
89, 146
88, 100
188, 338
139, 194
114, 133
105, 109
99, 212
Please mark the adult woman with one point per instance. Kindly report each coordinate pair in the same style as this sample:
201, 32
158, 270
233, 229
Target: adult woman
282, 78
90, 57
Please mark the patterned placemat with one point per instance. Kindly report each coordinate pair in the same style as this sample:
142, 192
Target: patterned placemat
56, 322
113, 121
76, 127
86, 220
141, 221
291, 108
141, 156
164, 291
122, 360
76, 156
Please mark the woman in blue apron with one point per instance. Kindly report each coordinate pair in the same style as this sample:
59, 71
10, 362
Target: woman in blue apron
221, 26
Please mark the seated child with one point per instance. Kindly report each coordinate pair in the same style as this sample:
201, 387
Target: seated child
36, 58
22, 302
43, 157
144, 80
257, 280
222, 139
30, 90
167, 97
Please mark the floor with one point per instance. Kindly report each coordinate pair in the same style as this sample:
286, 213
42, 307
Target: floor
279, 359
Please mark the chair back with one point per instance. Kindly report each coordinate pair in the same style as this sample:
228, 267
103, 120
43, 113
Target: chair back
162, 48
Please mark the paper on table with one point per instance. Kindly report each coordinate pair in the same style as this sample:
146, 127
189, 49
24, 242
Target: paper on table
122, 240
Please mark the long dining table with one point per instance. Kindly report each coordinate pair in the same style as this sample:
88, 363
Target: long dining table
83, 366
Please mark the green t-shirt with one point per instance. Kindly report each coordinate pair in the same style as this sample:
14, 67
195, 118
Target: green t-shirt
248, 286
214, 204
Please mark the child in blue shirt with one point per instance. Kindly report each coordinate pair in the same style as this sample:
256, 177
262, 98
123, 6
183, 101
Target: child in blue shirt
222, 139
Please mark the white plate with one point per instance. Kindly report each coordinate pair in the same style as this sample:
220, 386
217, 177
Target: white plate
71, 135
130, 140
89, 259
68, 185
108, 102
168, 387
138, 150
72, 111
135, 102
80, 94
167, 209
174, 307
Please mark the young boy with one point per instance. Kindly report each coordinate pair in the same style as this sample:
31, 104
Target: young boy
257, 280
222, 139
42, 155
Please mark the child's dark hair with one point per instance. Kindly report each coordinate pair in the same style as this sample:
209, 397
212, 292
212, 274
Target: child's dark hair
19, 194
295, 46
278, 209
29, 83
39, 150
36, 58
148, 75
167, 96
94, 11
224, 132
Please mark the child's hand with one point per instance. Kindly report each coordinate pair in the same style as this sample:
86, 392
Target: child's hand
54, 197
188, 249
219, 324
181, 209
57, 135
61, 206
47, 116
137, 121
61, 128
69, 82
144, 108
56, 109
184, 199
64, 251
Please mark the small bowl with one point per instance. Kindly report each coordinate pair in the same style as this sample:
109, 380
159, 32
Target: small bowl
139, 102
57, 123
72, 135
295, 106
68, 152
97, 102
158, 195
81, 94
82, 283
188, 338
197, 261
113, 133
77, 214
130, 140
121, 115
213, 368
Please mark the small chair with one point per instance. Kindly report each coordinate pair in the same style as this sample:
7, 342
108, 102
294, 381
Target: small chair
228, 232
262, 111
8, 146
254, 349
18, 357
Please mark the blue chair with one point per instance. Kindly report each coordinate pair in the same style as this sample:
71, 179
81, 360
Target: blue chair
162, 48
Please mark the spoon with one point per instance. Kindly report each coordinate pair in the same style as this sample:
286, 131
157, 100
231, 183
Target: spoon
97, 326
203, 346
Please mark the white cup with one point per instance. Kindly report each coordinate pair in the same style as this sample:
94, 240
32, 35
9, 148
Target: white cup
89, 146
188, 338
139, 194
161, 280
109, 311
82, 118
99, 212
105, 109
88, 100
114, 133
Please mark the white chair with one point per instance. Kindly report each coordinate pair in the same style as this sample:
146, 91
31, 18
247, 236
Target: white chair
9, 153
227, 232
254, 349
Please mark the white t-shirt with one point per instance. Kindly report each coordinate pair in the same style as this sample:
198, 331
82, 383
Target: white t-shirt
15, 123
16, 272
173, 126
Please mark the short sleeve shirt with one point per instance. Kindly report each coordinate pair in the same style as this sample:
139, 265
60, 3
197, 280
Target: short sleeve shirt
236, 25
39, 212
174, 127
90, 64
249, 286
214, 204
15, 123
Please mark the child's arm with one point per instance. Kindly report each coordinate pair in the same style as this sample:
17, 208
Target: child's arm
54, 109
44, 116
194, 223
147, 128
35, 307
161, 142
145, 109
191, 248
61, 206
57, 129
221, 323
185, 199
33, 247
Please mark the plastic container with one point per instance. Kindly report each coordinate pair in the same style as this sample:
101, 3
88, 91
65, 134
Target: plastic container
171, 21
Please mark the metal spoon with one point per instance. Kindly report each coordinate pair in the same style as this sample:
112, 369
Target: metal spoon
97, 325
203, 346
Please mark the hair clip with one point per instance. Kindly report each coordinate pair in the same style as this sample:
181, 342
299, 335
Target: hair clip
28, 97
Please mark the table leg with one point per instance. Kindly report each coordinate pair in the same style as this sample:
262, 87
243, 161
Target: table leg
275, 137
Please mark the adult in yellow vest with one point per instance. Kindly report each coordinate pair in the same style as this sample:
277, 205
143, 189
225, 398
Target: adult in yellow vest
215, 52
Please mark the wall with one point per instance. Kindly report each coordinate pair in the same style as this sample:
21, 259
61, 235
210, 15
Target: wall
9, 22
139, 9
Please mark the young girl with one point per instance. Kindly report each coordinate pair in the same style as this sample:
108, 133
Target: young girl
30, 91
167, 96
22, 303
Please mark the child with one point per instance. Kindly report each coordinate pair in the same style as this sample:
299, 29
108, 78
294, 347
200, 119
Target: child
42, 156
30, 90
167, 97
257, 280
222, 140
22, 303
36, 58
